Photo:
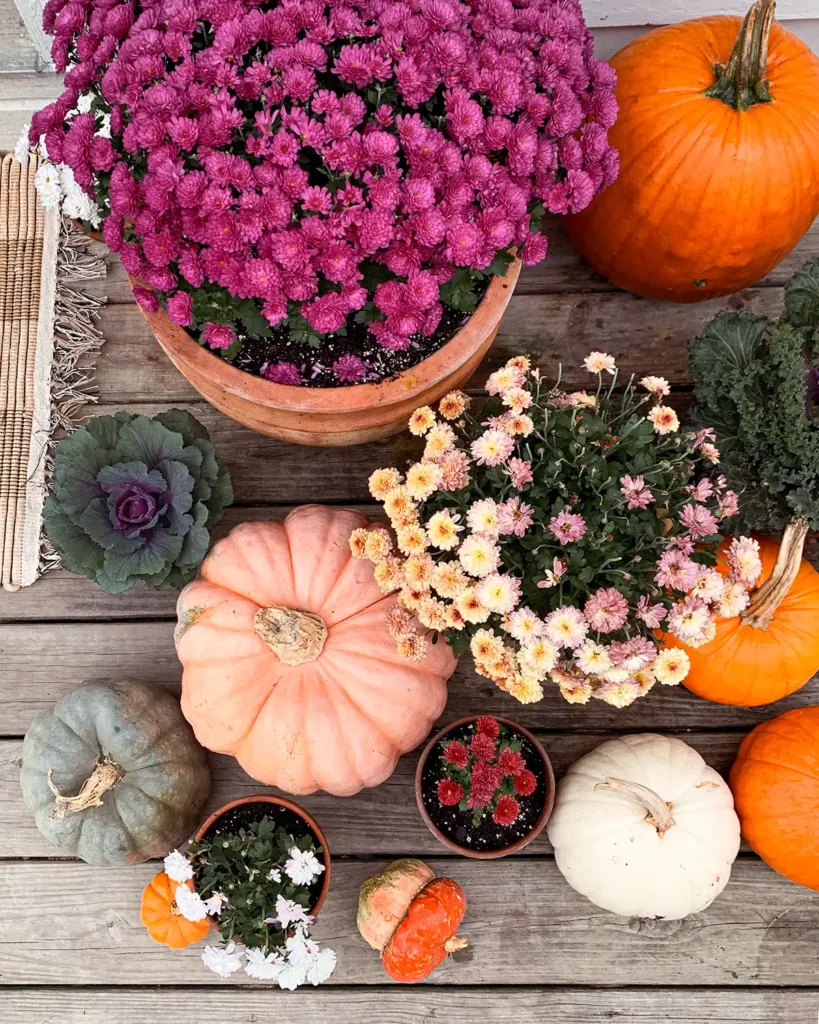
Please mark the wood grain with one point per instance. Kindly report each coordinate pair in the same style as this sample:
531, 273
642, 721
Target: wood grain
78, 925
644, 335
425, 1004
383, 821
41, 661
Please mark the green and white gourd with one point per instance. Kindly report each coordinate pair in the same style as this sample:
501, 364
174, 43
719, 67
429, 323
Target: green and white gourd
114, 774
644, 828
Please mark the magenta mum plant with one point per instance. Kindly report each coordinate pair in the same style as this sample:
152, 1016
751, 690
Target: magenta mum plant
304, 166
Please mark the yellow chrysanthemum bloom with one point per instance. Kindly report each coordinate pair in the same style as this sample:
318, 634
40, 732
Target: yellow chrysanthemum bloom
449, 580
382, 481
412, 647
412, 540
378, 546
358, 542
453, 405
470, 607
421, 420
422, 480
398, 502
443, 529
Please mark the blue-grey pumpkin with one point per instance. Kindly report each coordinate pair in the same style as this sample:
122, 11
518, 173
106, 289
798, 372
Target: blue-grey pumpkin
114, 774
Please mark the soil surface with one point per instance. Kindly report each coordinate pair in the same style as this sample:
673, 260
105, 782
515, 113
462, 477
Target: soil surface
316, 364
457, 824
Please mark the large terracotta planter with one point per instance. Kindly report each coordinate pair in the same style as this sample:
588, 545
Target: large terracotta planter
337, 416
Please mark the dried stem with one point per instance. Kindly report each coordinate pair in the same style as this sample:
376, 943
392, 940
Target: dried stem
741, 83
765, 601
658, 811
107, 773
294, 636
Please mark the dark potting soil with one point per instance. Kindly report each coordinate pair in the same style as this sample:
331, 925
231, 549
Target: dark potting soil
457, 824
245, 815
316, 364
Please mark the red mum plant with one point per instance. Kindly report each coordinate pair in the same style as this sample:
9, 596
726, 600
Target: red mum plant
487, 775
299, 169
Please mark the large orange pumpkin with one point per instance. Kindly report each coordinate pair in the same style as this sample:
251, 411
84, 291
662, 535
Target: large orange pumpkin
412, 918
719, 170
772, 649
161, 917
288, 664
775, 782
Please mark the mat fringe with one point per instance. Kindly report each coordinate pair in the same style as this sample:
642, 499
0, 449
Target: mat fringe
77, 341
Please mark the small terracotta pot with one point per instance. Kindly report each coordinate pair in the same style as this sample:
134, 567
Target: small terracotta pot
280, 801
519, 844
336, 416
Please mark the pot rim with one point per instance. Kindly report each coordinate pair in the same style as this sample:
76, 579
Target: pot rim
518, 844
290, 805
356, 397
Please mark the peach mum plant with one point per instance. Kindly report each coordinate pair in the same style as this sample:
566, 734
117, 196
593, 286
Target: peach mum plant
559, 536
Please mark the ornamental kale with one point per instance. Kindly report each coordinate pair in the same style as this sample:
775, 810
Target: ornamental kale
134, 499
310, 164
757, 386
553, 534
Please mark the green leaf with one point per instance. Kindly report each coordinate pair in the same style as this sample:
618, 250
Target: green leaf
147, 441
501, 263
78, 551
96, 522
157, 548
802, 297
251, 316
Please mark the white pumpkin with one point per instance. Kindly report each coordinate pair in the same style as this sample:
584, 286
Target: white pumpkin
644, 828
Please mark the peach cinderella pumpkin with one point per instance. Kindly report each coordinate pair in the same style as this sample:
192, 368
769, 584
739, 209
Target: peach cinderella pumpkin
288, 664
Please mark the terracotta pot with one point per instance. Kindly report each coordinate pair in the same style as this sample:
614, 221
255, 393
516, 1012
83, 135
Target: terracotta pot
519, 844
337, 416
280, 801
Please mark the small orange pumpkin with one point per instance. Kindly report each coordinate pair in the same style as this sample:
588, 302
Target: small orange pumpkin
412, 918
719, 155
288, 664
772, 649
161, 917
775, 782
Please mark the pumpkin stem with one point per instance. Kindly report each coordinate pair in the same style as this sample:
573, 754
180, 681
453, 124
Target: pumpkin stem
456, 942
106, 774
659, 813
741, 83
765, 601
294, 636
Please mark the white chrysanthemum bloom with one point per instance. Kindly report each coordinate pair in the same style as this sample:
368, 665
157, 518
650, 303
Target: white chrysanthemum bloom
664, 419
593, 659
482, 517
21, 146
423, 479
84, 103
222, 960
709, 586
671, 666
321, 966
288, 912
479, 555
190, 904
616, 675
735, 599
214, 903
105, 128
443, 529
75, 202
566, 626
525, 625
537, 659
47, 183
177, 867
687, 623
263, 966
599, 362
274, 875
656, 385
303, 866
291, 976
498, 593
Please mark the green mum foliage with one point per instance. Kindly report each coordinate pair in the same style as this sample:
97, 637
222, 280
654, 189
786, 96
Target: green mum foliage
757, 385
134, 499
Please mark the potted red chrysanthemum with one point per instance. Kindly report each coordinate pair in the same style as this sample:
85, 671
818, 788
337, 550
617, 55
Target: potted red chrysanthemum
485, 787
324, 208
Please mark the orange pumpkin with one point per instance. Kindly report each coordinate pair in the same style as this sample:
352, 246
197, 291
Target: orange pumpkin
772, 649
161, 917
412, 918
288, 664
775, 782
719, 153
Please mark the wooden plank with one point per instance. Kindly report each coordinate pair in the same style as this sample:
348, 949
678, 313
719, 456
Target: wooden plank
645, 336
43, 661
647, 12
410, 1006
18, 53
383, 821
79, 925
564, 270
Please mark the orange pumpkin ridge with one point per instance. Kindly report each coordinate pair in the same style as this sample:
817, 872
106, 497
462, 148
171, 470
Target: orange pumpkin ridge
286, 628
775, 782
428, 932
772, 649
161, 917
718, 135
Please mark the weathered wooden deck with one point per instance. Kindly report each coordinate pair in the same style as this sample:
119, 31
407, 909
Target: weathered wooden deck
71, 946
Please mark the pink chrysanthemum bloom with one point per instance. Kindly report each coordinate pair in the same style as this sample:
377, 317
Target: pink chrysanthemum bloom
676, 570
492, 448
349, 369
699, 521
218, 336
651, 614
567, 527
520, 472
283, 373
635, 492
606, 610
514, 517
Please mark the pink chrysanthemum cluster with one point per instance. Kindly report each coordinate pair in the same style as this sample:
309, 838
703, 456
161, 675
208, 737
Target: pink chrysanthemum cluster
486, 773
554, 535
278, 151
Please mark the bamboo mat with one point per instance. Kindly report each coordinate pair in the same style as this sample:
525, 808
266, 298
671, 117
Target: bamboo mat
42, 386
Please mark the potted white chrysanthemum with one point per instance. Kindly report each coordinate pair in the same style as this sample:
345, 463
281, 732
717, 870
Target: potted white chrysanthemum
258, 871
